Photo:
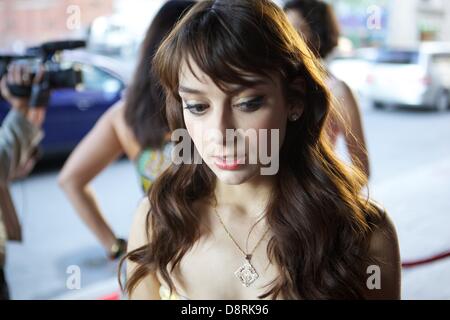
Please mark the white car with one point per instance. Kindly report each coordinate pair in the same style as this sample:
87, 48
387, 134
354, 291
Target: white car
416, 78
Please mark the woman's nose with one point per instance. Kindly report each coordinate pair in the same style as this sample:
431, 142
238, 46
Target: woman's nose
221, 121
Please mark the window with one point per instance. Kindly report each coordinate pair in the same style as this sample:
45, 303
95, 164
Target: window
397, 57
441, 60
99, 80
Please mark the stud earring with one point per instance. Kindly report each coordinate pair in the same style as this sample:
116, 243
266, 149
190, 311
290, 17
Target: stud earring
294, 117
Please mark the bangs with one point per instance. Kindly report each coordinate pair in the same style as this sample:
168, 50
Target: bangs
222, 53
225, 43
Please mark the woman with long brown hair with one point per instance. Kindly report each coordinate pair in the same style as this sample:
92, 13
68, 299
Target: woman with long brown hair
220, 225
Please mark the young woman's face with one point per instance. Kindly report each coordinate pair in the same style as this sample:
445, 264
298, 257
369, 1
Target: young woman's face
209, 112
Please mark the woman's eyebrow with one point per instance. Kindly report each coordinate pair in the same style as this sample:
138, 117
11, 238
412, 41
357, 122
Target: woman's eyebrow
233, 90
189, 90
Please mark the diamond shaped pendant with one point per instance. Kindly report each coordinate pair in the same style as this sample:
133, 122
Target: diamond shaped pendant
246, 274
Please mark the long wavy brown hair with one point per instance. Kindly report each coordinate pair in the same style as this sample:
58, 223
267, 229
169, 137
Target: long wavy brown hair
144, 106
321, 225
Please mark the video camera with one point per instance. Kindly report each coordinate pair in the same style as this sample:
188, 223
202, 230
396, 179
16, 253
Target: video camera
54, 77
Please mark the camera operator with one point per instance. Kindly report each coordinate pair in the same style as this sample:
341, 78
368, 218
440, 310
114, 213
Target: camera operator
20, 134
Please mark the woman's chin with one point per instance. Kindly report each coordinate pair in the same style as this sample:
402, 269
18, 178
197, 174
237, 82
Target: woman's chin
235, 177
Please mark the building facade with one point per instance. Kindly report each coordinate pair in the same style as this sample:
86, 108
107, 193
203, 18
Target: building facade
29, 22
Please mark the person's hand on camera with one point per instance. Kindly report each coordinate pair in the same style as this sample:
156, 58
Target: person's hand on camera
20, 75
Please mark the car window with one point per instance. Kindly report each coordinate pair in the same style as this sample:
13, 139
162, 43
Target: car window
441, 60
440, 67
396, 57
97, 79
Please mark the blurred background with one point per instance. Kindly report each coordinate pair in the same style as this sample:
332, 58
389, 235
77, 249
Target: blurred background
394, 54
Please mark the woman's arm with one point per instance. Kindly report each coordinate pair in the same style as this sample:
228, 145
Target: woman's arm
95, 152
352, 128
384, 278
148, 287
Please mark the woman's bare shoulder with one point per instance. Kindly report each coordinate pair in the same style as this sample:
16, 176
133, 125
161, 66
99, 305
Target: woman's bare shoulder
148, 285
123, 130
384, 249
116, 110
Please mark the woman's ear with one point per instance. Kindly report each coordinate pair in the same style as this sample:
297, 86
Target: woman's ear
295, 111
295, 98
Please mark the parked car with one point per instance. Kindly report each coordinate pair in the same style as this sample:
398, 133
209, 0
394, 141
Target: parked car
416, 78
72, 113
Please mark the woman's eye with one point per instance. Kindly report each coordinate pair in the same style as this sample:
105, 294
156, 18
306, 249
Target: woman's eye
251, 105
196, 108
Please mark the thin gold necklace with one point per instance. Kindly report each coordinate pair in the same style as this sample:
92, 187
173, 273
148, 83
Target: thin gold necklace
246, 273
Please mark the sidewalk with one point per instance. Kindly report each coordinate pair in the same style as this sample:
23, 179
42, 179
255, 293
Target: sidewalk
105, 290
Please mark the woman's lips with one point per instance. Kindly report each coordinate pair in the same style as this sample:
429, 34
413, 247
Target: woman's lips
229, 163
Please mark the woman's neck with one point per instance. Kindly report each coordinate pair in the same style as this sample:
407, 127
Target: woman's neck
249, 199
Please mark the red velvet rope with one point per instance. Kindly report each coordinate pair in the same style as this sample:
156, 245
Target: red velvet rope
415, 263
